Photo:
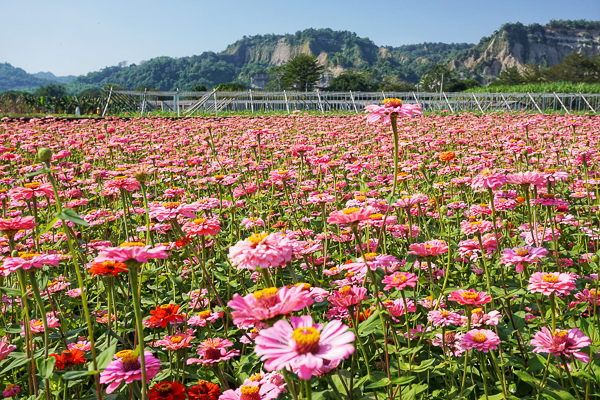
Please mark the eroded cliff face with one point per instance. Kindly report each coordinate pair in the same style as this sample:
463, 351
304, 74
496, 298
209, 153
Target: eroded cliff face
545, 48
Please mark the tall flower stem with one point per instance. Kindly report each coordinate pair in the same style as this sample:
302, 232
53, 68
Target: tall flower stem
40, 304
132, 267
360, 343
84, 300
394, 122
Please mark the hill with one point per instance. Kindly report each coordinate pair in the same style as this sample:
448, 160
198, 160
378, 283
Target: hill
248, 59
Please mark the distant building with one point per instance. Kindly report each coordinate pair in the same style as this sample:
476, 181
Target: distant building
259, 81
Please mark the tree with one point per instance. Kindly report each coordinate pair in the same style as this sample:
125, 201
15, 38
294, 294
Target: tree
52, 90
199, 88
231, 87
301, 72
509, 77
432, 79
576, 68
393, 83
275, 75
352, 80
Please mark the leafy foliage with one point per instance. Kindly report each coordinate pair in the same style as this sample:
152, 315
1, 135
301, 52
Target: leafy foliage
302, 72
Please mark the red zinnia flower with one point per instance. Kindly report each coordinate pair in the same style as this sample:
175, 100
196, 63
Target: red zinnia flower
167, 391
107, 268
204, 391
165, 314
68, 358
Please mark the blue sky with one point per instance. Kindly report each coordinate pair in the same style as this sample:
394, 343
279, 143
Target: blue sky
76, 37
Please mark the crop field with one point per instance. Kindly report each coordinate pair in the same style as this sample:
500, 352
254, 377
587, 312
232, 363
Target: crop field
391, 255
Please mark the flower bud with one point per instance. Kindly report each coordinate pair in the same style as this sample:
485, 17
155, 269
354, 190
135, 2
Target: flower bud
595, 258
524, 152
44, 154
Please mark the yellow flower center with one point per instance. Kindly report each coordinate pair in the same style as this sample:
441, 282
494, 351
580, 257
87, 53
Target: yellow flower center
176, 339
376, 216
256, 377
470, 295
204, 314
560, 333
249, 391
522, 252
476, 311
171, 205
132, 244
477, 223
370, 256
305, 286
550, 278
268, 292
199, 221
392, 102
479, 337
345, 289
38, 323
348, 211
400, 278
257, 238
32, 185
29, 256
307, 340
165, 388
123, 353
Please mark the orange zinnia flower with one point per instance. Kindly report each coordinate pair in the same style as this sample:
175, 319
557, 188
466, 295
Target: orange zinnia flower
447, 156
107, 268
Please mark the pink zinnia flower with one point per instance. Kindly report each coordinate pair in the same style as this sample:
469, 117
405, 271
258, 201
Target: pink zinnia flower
82, 345
400, 280
526, 178
470, 297
347, 296
267, 304
430, 248
552, 282
11, 390
397, 307
261, 250
480, 339
471, 227
11, 226
303, 345
252, 222
171, 210
488, 179
392, 106
126, 367
175, 342
131, 251
479, 318
5, 348
443, 318
350, 216
202, 226
562, 343
31, 189
28, 261
213, 351
522, 256
373, 262
451, 340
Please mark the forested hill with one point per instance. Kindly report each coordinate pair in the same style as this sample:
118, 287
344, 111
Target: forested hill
512, 45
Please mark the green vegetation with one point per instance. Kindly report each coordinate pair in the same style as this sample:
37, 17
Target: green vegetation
301, 73
546, 87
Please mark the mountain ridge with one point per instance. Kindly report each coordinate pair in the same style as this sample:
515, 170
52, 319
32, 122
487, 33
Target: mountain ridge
249, 58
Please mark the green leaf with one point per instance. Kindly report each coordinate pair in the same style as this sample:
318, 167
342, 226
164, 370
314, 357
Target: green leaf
36, 173
46, 367
70, 215
77, 374
105, 357
48, 227
15, 364
10, 291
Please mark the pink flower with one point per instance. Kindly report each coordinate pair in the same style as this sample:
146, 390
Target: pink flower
11, 226
175, 342
268, 303
443, 318
131, 251
523, 256
126, 367
82, 345
471, 227
28, 261
427, 249
470, 297
171, 210
252, 222
397, 307
31, 189
252, 391
350, 216
479, 318
400, 280
488, 179
5, 347
261, 250
374, 261
392, 106
347, 296
11, 390
526, 178
480, 339
451, 340
302, 345
202, 226
213, 351
552, 282
562, 343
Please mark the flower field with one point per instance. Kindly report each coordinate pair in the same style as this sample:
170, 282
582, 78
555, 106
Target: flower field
386, 255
